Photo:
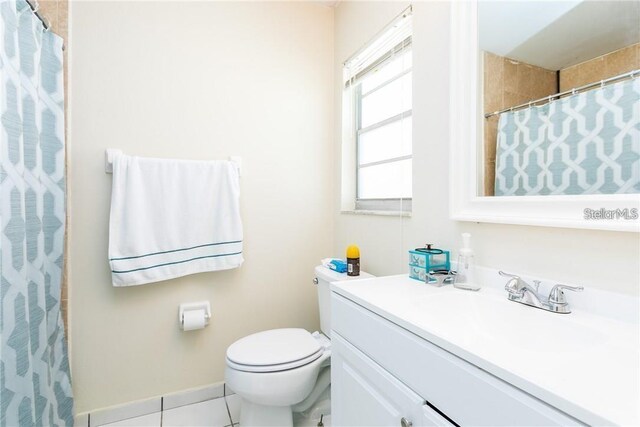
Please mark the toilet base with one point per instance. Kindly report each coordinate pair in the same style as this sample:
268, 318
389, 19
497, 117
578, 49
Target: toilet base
322, 407
252, 414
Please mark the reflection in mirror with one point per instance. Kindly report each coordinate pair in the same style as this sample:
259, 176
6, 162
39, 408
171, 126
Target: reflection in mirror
561, 97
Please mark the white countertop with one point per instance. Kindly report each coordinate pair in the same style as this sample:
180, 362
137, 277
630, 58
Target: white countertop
585, 364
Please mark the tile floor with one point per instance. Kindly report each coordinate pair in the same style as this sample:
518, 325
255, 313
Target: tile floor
219, 412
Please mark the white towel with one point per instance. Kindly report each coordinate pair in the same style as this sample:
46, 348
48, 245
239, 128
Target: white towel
171, 218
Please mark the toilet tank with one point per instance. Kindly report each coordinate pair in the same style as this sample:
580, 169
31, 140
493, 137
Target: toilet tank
324, 277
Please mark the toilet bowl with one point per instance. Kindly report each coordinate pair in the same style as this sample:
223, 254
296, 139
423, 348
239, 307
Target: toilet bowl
279, 371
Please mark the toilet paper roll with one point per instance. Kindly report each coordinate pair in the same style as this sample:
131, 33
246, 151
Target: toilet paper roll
193, 319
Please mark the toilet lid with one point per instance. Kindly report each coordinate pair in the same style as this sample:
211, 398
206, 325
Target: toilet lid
274, 350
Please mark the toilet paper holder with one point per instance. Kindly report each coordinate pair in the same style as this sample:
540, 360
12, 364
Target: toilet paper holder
202, 305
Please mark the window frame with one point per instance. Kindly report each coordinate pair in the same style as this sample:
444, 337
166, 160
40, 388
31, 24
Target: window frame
399, 204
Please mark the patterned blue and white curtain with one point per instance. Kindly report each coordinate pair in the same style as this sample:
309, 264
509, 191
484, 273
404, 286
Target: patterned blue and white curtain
588, 143
35, 387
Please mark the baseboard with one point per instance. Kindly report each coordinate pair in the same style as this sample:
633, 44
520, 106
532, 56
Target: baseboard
143, 407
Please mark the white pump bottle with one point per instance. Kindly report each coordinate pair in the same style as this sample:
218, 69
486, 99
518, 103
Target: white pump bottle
466, 276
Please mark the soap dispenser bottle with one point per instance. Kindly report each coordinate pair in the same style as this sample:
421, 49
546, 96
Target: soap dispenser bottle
466, 276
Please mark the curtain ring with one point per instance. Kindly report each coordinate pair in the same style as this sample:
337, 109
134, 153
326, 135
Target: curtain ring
601, 83
47, 25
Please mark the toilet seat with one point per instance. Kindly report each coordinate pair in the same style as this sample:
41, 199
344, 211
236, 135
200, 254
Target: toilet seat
274, 350
274, 368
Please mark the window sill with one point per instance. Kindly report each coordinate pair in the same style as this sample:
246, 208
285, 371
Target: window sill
378, 213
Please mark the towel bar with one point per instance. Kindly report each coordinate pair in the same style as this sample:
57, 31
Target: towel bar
110, 153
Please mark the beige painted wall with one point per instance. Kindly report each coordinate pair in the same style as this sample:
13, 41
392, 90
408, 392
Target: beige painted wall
606, 260
201, 80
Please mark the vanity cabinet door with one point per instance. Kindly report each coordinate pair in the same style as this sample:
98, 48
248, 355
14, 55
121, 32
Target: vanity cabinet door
431, 418
465, 393
364, 394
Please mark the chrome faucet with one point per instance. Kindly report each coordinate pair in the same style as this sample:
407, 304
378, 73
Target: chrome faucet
520, 291
439, 277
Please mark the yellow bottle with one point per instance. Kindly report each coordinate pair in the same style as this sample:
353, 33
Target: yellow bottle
353, 261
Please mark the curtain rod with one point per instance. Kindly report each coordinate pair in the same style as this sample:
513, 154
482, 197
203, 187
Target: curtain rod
630, 74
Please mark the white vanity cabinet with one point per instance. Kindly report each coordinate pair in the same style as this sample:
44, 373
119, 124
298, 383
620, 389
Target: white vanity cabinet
384, 375
364, 394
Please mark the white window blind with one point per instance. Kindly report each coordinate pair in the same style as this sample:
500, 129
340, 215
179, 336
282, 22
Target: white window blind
377, 84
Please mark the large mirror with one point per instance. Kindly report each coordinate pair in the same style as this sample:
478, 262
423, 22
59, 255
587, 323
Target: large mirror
560, 97
545, 97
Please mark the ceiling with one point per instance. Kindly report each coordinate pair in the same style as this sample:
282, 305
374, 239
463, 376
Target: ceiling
557, 34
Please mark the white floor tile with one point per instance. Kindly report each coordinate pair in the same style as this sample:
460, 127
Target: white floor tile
233, 402
211, 413
150, 420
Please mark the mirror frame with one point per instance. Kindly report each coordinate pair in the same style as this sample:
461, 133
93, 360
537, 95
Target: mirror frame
464, 165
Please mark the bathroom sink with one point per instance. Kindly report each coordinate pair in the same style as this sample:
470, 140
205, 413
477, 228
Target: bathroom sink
489, 316
576, 361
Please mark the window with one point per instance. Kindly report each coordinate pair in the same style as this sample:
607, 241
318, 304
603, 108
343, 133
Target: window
378, 119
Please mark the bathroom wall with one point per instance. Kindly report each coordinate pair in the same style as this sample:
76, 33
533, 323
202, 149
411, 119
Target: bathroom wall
598, 259
199, 80
508, 83
600, 68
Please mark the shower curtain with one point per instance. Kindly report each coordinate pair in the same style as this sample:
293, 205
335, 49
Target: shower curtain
35, 387
588, 143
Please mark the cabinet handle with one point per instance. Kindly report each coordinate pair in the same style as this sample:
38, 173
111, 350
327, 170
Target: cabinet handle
405, 422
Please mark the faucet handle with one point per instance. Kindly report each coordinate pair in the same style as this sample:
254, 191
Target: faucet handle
502, 273
513, 285
556, 296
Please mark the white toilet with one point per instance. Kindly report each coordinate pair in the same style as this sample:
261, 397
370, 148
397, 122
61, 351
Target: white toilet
281, 371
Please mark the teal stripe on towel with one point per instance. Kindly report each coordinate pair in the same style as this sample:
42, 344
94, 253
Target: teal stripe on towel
176, 262
175, 250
